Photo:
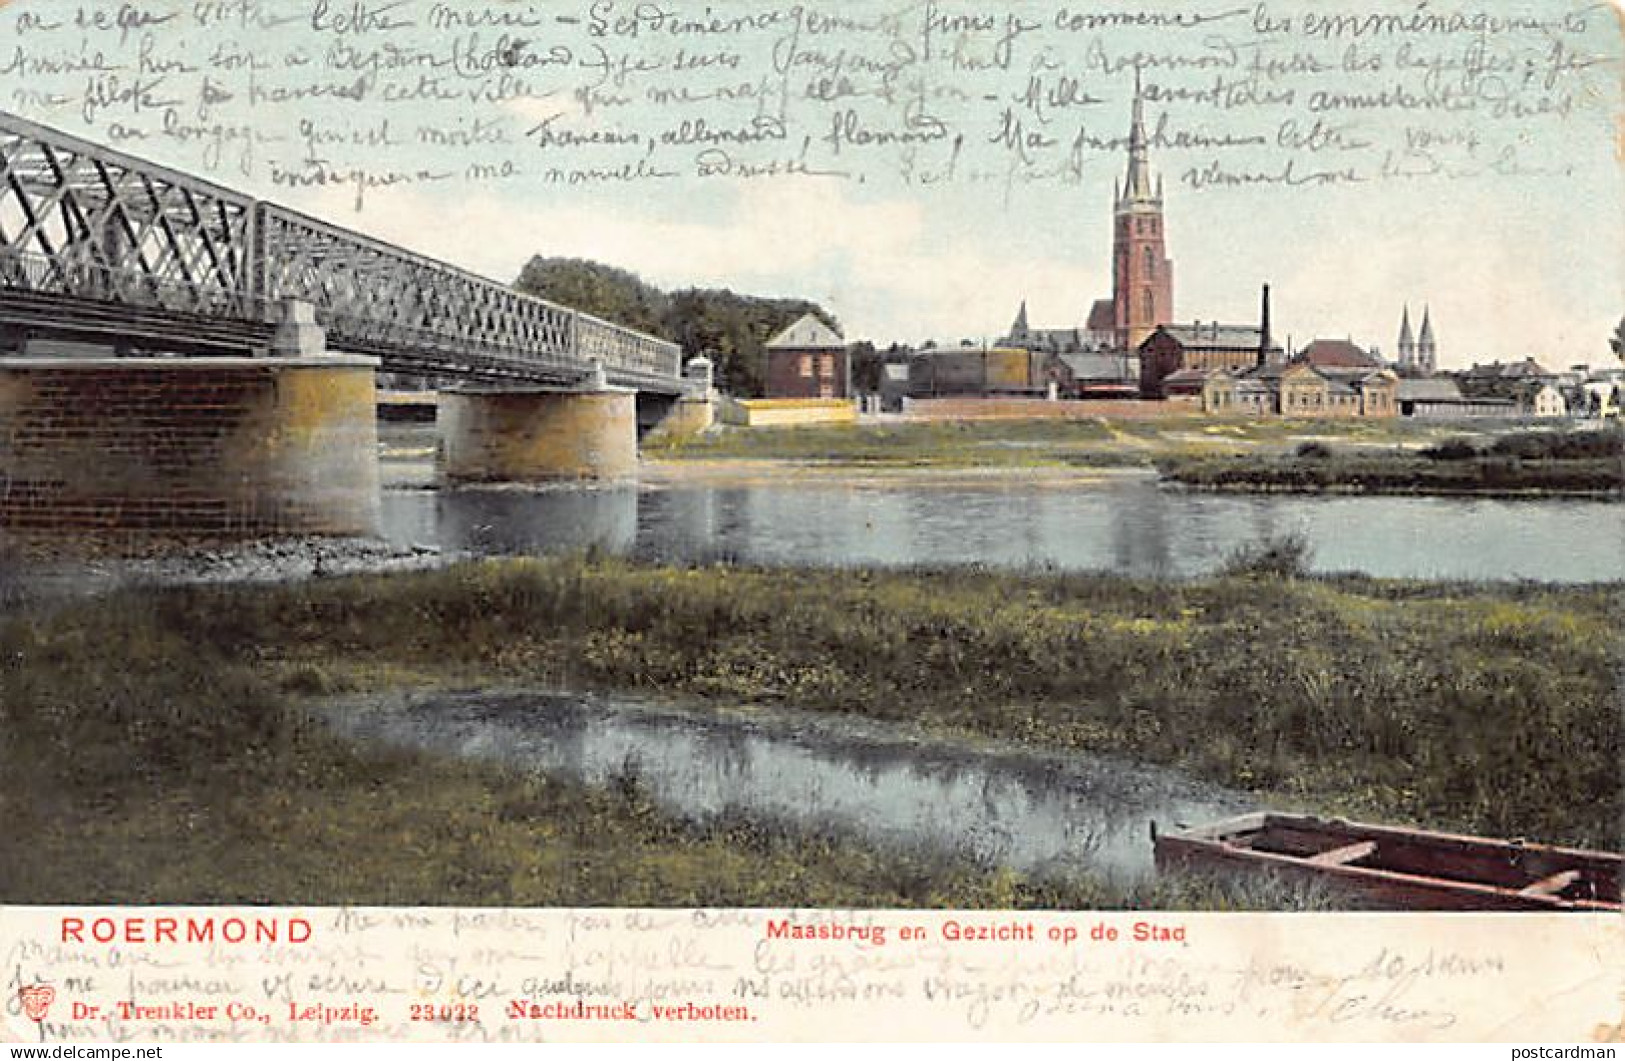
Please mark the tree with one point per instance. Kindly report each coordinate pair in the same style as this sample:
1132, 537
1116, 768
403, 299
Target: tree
603, 291
731, 329
1617, 340
867, 367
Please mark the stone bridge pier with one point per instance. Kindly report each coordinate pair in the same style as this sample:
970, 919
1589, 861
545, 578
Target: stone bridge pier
539, 434
588, 432
192, 446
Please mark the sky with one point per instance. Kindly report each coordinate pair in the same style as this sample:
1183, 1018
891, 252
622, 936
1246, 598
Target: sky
1510, 264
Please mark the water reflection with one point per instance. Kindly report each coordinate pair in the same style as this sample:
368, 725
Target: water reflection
1034, 813
499, 522
1132, 526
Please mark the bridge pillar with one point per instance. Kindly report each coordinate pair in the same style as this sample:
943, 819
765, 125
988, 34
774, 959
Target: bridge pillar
683, 417
207, 446
539, 434
688, 414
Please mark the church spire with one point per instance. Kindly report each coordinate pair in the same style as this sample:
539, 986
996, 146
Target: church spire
1137, 188
1427, 354
1407, 344
1142, 275
1018, 330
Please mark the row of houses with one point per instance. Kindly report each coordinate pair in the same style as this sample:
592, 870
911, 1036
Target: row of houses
1297, 389
1225, 369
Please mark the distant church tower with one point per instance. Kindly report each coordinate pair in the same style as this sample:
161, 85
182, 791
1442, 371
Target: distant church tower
1420, 354
1427, 353
1020, 331
1142, 275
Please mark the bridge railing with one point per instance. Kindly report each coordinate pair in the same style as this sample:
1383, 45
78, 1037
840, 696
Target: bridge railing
619, 348
412, 347
375, 296
125, 286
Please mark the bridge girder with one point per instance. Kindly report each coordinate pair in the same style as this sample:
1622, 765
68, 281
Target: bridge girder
80, 221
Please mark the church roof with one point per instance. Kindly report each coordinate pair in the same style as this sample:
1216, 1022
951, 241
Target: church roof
807, 333
1048, 340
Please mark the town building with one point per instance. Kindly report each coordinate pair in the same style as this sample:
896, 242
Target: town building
1599, 393
1174, 354
1338, 355
1441, 398
1300, 390
1548, 402
1517, 381
970, 370
808, 360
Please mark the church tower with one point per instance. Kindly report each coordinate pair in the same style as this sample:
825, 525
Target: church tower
1142, 275
1427, 354
1407, 342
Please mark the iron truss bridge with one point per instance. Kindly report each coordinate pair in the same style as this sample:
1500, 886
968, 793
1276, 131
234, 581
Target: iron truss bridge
99, 246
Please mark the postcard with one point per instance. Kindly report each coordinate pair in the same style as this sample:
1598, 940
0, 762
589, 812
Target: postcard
616, 520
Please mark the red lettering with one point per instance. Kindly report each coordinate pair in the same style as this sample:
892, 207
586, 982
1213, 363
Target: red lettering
73, 930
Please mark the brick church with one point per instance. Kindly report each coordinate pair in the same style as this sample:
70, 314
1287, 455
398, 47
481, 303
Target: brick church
1103, 354
1129, 344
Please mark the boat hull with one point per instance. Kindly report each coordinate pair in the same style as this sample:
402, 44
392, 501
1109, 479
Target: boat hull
1381, 867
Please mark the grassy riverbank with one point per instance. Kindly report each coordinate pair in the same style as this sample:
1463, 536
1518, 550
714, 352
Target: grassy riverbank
1582, 463
1091, 442
152, 745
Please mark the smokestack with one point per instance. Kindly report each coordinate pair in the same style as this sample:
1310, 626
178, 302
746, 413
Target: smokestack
1264, 329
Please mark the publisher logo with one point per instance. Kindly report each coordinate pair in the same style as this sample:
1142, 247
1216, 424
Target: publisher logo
37, 999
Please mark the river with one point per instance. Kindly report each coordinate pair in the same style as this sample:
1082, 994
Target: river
1123, 522
989, 802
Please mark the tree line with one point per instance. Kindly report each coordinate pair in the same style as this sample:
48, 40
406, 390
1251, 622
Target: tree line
730, 328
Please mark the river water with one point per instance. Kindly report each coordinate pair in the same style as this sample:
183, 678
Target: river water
1036, 812
1039, 813
1125, 522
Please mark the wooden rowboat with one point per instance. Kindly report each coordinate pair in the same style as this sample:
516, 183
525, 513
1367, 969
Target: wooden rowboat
1381, 867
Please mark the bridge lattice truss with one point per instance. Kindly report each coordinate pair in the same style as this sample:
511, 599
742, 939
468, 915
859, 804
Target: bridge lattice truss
95, 242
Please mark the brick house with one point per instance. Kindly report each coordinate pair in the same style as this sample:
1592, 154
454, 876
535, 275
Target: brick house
808, 360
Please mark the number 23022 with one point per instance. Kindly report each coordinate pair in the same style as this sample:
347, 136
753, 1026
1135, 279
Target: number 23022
460, 1011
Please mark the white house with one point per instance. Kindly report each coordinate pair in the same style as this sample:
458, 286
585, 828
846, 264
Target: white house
1548, 402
